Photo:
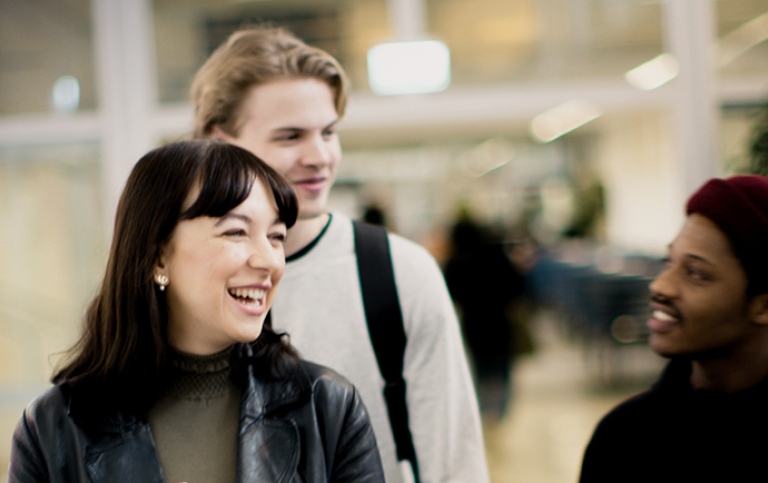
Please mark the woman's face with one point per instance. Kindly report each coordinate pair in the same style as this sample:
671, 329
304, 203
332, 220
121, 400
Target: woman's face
223, 274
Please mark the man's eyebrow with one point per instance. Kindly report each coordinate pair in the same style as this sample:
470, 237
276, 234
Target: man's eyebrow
699, 258
692, 256
302, 129
227, 216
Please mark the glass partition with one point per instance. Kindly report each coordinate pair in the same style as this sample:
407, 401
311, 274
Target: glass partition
188, 31
499, 41
46, 56
53, 250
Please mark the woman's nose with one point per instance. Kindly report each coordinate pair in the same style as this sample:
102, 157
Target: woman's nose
264, 256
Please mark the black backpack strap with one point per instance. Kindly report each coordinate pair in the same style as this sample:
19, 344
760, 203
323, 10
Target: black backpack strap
385, 327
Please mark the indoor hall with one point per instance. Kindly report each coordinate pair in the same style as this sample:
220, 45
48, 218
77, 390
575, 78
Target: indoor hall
558, 399
574, 127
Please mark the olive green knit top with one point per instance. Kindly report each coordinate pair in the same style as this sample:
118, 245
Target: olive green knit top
195, 423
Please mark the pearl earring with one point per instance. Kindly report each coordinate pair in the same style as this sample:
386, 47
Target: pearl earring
162, 281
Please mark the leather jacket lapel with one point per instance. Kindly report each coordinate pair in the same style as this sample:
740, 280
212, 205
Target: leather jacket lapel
269, 445
128, 457
268, 452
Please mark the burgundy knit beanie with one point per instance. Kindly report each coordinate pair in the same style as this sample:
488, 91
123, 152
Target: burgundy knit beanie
739, 207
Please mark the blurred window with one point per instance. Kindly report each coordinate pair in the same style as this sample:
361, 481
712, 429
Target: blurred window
53, 254
188, 31
500, 41
742, 27
46, 46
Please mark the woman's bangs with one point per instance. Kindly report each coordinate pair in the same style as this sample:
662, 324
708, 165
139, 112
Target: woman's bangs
285, 199
225, 182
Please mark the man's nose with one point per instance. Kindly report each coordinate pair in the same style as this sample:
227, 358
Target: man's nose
663, 284
317, 151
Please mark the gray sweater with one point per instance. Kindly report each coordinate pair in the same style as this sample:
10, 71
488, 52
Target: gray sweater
319, 304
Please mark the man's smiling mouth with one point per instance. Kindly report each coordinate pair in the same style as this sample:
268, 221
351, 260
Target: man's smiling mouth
664, 317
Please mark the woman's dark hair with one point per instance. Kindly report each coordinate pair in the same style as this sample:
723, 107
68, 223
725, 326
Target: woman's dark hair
121, 355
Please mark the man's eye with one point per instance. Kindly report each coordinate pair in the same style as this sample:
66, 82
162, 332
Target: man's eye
278, 237
697, 274
288, 137
235, 232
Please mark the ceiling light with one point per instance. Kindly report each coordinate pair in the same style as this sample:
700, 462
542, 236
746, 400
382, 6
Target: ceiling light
742, 39
563, 119
413, 67
65, 96
654, 73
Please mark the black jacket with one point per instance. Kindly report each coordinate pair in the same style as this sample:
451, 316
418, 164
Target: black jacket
312, 427
673, 433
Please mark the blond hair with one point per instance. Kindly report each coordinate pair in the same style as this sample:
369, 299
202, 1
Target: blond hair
254, 57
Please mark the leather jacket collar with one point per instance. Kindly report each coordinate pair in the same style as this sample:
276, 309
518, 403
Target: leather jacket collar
125, 445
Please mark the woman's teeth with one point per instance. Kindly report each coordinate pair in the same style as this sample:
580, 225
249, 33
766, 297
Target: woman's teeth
248, 295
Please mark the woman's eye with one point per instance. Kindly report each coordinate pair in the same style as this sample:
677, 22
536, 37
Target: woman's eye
278, 237
235, 232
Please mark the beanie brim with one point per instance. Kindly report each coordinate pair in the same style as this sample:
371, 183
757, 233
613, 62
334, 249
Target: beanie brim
739, 207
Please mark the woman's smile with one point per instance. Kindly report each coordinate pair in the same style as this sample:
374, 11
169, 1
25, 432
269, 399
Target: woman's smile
241, 253
251, 299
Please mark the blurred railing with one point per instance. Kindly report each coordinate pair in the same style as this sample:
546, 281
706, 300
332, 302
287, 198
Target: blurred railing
601, 297
32, 326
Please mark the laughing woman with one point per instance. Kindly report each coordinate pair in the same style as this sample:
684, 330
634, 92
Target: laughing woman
177, 377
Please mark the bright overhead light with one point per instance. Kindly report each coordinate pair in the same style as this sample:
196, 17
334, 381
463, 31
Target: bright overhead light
563, 119
654, 73
414, 67
486, 157
742, 39
65, 96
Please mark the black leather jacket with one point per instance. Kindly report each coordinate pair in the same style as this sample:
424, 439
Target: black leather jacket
310, 428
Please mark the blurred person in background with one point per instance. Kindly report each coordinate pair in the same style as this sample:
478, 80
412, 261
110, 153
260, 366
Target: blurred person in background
269, 92
177, 377
706, 418
374, 214
485, 285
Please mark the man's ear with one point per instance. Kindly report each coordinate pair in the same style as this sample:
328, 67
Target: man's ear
758, 307
217, 133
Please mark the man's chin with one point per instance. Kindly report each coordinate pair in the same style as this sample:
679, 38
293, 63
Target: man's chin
310, 209
311, 215
660, 348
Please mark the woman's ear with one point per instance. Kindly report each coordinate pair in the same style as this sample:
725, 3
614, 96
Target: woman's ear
759, 308
160, 274
160, 264
159, 270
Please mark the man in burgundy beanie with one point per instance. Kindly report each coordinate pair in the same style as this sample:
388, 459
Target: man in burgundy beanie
706, 419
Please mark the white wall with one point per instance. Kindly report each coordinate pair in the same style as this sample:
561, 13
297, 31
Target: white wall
644, 205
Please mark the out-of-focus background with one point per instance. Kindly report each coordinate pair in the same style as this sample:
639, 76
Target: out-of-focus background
569, 131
